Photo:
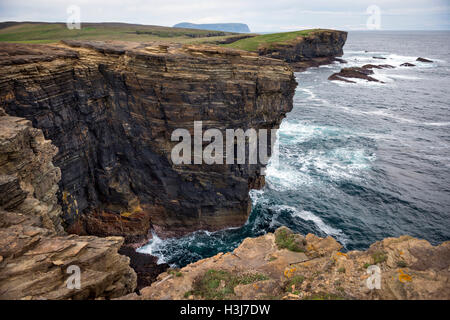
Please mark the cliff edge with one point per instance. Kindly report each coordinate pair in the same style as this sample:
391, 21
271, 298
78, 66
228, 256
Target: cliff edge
301, 49
284, 265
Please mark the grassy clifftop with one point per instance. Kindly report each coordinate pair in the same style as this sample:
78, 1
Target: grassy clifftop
252, 44
32, 32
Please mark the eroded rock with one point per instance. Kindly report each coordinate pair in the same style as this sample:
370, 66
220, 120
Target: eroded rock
35, 252
410, 269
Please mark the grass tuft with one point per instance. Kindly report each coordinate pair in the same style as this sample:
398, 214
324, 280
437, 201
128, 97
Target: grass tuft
220, 284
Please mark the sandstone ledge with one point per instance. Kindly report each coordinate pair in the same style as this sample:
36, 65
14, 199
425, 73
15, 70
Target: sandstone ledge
410, 269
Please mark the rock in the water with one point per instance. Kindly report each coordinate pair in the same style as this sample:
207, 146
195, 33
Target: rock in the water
424, 60
353, 72
381, 58
407, 64
111, 107
377, 66
340, 60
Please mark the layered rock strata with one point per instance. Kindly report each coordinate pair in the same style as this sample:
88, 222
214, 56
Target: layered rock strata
318, 48
260, 268
35, 252
110, 108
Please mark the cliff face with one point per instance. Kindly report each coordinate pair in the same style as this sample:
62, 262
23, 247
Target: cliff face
321, 47
35, 252
311, 268
111, 108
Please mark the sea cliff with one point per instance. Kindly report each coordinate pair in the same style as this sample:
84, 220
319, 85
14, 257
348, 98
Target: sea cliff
85, 148
110, 108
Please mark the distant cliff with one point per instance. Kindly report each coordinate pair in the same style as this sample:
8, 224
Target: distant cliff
228, 27
301, 49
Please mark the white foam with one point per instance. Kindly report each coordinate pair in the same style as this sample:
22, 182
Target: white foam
309, 216
152, 248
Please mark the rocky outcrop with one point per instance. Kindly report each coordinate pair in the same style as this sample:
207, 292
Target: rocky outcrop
35, 252
269, 267
318, 48
363, 72
420, 59
110, 108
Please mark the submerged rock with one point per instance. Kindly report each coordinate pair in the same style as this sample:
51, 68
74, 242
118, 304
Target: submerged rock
407, 64
377, 66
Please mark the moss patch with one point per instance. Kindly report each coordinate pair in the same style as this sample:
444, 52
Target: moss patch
220, 284
294, 283
379, 257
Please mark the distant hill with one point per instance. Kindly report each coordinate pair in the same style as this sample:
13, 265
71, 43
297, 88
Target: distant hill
229, 27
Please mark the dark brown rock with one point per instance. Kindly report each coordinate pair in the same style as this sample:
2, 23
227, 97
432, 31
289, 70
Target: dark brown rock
354, 72
145, 266
35, 252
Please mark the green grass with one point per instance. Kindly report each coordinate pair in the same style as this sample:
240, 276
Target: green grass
175, 272
54, 32
286, 240
252, 44
379, 257
294, 281
209, 285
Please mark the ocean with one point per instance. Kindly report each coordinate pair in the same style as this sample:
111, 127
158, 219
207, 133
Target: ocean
359, 162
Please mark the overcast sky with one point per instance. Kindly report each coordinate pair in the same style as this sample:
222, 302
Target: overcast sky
260, 15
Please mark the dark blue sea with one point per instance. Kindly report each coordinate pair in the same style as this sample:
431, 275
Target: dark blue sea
359, 162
